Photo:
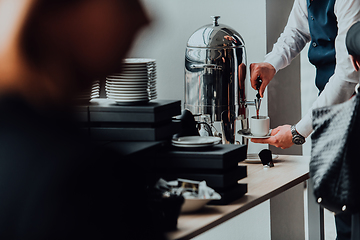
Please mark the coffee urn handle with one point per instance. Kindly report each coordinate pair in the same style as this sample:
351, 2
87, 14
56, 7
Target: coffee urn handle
215, 18
211, 66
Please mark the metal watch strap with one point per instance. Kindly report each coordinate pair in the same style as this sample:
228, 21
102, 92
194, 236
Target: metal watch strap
297, 138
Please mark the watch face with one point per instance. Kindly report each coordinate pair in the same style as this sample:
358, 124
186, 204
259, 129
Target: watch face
298, 140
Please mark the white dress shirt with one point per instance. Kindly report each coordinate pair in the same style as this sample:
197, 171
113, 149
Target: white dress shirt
294, 38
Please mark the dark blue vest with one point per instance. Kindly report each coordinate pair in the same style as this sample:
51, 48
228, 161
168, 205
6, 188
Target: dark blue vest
323, 31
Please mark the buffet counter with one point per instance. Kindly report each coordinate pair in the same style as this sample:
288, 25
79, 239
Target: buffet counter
263, 184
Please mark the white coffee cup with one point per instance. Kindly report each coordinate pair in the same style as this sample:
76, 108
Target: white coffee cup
260, 126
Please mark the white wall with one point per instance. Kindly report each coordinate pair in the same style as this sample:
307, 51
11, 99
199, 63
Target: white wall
175, 20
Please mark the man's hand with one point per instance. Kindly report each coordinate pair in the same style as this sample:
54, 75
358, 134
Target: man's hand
281, 137
263, 70
355, 60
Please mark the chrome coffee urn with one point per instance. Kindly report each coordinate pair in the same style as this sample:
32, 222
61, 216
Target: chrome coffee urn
215, 72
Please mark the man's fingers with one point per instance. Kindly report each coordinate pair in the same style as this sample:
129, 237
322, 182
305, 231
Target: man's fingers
262, 140
274, 131
259, 140
262, 89
254, 73
253, 81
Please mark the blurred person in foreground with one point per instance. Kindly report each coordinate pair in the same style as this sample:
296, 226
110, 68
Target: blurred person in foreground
53, 183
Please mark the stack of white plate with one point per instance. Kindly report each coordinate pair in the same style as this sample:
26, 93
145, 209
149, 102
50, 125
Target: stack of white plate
136, 84
90, 93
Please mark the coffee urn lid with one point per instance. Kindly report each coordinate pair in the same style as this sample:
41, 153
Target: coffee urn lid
215, 36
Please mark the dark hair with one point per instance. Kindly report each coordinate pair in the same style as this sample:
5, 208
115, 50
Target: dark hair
32, 47
353, 39
52, 4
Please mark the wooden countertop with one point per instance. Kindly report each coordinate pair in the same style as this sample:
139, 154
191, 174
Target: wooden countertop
263, 184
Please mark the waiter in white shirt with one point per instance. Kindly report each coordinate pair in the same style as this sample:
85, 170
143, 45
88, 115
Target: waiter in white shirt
323, 23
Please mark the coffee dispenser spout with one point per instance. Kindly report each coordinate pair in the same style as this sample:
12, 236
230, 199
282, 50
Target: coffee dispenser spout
257, 103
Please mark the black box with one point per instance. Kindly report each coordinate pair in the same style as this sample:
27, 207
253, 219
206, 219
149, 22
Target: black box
221, 156
134, 132
213, 178
105, 110
107, 121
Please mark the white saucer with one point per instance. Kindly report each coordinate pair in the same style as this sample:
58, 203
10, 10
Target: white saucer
195, 141
249, 135
120, 91
124, 95
124, 80
129, 100
119, 80
130, 74
138, 61
134, 98
127, 84
193, 146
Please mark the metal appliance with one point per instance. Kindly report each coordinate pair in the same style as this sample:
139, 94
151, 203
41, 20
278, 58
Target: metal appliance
215, 72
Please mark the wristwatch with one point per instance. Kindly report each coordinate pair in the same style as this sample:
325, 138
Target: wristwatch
297, 138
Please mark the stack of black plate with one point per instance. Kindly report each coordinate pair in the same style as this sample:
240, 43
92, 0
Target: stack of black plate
217, 165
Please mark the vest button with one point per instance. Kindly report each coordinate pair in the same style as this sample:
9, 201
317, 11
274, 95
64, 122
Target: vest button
312, 18
314, 44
